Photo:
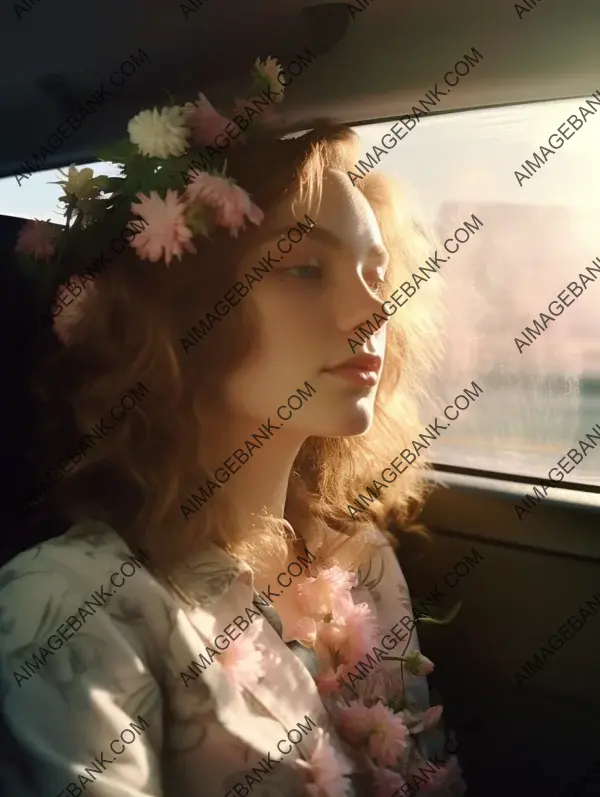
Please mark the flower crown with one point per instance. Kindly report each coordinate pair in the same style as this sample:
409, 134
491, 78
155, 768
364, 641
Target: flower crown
169, 191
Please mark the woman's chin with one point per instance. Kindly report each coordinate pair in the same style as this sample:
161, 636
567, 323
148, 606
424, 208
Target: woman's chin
350, 423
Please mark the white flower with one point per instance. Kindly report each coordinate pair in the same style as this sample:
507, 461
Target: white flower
270, 70
160, 134
80, 184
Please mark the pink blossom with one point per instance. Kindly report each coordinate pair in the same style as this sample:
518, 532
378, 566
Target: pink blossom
230, 202
443, 776
431, 717
305, 631
167, 233
417, 722
242, 105
243, 661
347, 639
66, 319
361, 633
328, 682
356, 722
204, 122
36, 238
326, 769
387, 783
328, 593
389, 735
384, 685
384, 732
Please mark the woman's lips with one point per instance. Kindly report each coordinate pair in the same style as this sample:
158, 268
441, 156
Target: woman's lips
360, 370
355, 375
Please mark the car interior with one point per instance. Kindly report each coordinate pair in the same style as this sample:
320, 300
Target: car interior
519, 576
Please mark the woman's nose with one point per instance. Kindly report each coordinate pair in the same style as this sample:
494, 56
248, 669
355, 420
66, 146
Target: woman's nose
357, 303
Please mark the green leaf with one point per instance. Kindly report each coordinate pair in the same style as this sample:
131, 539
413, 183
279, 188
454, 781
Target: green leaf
121, 151
444, 620
109, 184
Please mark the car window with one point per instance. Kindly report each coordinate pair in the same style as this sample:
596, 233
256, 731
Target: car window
516, 242
37, 196
515, 227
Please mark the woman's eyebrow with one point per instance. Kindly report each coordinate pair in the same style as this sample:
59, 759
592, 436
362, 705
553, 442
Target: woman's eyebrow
376, 252
316, 232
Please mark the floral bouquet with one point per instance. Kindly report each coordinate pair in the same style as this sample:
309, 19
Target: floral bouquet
382, 726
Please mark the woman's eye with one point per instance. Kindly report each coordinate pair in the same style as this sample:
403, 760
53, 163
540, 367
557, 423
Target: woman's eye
309, 270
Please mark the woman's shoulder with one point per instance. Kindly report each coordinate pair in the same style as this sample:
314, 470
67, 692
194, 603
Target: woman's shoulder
81, 559
81, 636
50, 592
90, 540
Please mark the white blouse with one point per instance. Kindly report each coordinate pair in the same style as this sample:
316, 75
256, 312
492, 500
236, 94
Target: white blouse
111, 686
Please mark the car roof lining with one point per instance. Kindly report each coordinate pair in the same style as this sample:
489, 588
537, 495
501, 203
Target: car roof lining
374, 64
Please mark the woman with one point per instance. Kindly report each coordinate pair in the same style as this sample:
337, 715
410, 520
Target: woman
220, 619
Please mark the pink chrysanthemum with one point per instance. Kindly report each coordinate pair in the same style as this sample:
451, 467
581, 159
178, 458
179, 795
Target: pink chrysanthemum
389, 735
431, 717
231, 204
327, 771
328, 593
265, 115
360, 633
328, 682
445, 776
305, 631
65, 317
243, 661
36, 238
356, 722
167, 233
387, 783
417, 722
384, 685
204, 122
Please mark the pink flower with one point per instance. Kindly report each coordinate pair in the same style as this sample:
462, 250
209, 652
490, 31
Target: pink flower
69, 315
204, 122
361, 633
230, 202
345, 640
326, 769
444, 776
167, 233
385, 685
328, 593
431, 717
387, 783
260, 112
384, 732
356, 722
389, 735
418, 722
305, 631
36, 238
328, 682
243, 661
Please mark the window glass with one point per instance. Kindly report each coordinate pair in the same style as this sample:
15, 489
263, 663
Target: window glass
535, 235
508, 248
37, 196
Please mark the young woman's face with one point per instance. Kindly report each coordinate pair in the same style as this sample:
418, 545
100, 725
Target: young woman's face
308, 306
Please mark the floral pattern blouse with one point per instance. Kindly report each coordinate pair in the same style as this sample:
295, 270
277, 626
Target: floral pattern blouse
111, 686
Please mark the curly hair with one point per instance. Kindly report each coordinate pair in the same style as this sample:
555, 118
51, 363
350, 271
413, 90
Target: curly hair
135, 478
